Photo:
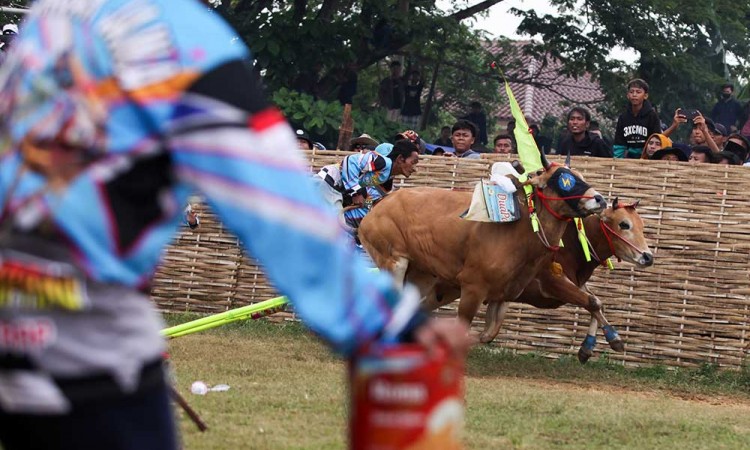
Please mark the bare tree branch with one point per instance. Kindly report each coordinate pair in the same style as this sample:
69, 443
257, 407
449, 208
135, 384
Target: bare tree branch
250, 6
327, 9
300, 9
470, 11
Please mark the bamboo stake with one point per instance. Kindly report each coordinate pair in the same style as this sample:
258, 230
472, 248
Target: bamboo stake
346, 128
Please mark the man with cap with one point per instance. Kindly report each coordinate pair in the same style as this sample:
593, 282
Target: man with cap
728, 158
737, 144
10, 30
669, 154
363, 143
717, 131
303, 140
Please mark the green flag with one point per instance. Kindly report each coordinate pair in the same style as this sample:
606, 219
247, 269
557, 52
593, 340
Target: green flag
527, 149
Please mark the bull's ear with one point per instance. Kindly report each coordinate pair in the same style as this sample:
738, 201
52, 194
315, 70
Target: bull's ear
614, 203
518, 166
539, 181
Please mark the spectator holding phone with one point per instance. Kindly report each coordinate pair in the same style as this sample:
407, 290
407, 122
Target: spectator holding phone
636, 123
701, 133
678, 119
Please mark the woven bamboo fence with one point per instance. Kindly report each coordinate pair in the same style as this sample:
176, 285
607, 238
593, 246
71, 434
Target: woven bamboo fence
692, 307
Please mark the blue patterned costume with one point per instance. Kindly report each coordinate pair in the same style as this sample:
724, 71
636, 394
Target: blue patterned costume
114, 112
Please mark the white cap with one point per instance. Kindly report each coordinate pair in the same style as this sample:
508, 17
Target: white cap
10, 28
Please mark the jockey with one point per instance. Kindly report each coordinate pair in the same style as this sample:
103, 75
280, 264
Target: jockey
354, 216
108, 125
345, 184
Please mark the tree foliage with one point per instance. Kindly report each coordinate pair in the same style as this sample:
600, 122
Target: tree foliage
686, 49
312, 46
321, 118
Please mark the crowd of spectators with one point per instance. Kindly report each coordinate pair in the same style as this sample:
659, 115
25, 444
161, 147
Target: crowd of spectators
722, 138
719, 137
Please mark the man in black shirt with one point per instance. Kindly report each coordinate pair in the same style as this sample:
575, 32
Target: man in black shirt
579, 141
391, 92
411, 111
478, 118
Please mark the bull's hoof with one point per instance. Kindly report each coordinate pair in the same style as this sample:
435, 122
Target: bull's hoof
485, 338
617, 345
584, 354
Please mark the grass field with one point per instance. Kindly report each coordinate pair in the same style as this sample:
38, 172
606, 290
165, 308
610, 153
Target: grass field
289, 392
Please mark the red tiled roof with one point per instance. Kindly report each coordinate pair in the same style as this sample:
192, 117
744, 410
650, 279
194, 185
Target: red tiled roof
544, 90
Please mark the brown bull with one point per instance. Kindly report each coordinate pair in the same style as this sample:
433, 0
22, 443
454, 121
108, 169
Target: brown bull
618, 231
417, 235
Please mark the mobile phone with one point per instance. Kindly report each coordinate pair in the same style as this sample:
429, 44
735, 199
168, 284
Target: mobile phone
690, 114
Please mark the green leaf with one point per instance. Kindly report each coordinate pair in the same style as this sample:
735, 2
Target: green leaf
273, 48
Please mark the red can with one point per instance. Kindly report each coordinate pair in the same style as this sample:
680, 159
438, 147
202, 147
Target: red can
406, 399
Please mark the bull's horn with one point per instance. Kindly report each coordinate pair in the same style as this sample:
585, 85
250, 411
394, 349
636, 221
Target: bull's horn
567, 159
636, 203
545, 163
614, 203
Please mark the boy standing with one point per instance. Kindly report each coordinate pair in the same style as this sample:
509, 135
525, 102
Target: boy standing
411, 111
636, 123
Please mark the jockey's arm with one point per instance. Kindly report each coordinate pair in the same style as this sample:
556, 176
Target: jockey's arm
365, 169
256, 180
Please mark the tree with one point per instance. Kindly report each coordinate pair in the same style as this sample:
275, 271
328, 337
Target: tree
311, 46
686, 49
295, 41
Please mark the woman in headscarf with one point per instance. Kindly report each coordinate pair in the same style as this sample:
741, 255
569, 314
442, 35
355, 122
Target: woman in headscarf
655, 142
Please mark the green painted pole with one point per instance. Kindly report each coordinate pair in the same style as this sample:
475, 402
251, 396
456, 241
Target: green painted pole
223, 318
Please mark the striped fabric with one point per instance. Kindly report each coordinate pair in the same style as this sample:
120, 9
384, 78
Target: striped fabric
359, 170
131, 105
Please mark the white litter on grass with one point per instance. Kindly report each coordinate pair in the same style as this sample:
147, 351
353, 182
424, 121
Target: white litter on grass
201, 388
